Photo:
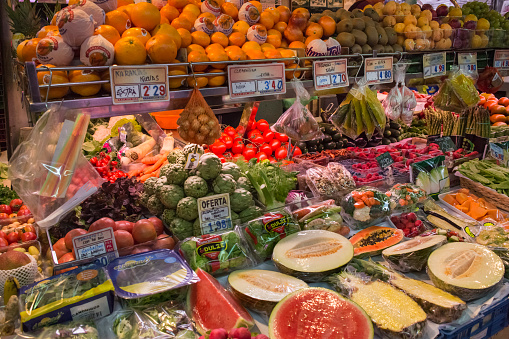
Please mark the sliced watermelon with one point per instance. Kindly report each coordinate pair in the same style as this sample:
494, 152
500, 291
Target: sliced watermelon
212, 306
319, 313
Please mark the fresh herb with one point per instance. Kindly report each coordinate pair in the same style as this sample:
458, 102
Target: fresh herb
6, 195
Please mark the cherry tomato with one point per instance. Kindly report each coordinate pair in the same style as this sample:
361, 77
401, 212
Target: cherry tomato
240, 130
93, 161
281, 153
253, 132
268, 136
27, 236
275, 144
271, 159
265, 148
2, 234
281, 137
228, 141
5, 209
257, 139
248, 153
262, 125
228, 155
24, 215
297, 151
238, 147
218, 148
102, 154
29, 228
230, 131
251, 125
16, 204
3, 242
114, 163
4, 216
261, 156
12, 237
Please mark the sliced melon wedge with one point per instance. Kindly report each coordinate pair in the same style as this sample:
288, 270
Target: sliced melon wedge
467, 270
312, 255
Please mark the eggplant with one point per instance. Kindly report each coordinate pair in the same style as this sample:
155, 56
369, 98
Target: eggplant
350, 144
312, 143
301, 145
327, 139
361, 142
374, 143
337, 137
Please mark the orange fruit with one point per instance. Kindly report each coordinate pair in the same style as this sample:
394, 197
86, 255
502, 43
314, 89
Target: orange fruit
328, 24
161, 49
187, 39
280, 26
196, 56
195, 47
267, 20
292, 74
284, 13
216, 55
164, 20
251, 45
189, 16
137, 32
482, 100
254, 54
121, 3
309, 39
126, 9
497, 117
119, 20
498, 109
19, 51
500, 123
200, 38
275, 13
303, 11
182, 68
258, 5
235, 53
218, 80
314, 29
237, 39
297, 44
195, 10
170, 12
57, 77
288, 53
54, 20
284, 43
200, 81
265, 46
241, 27
130, 51
214, 47
108, 32
178, 3
175, 83
274, 40
219, 38
50, 29
274, 32
504, 101
230, 9
28, 52
168, 30
208, 15
145, 15
272, 54
182, 22
84, 76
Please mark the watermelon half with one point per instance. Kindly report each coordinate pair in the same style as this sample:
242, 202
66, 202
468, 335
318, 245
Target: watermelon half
319, 313
212, 306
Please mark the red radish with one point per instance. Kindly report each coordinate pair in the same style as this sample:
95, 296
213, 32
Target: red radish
240, 333
218, 333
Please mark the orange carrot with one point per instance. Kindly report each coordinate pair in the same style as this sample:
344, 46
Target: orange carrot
155, 166
146, 176
151, 160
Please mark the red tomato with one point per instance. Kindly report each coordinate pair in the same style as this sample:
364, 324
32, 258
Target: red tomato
238, 147
281, 137
12, 237
4, 216
28, 228
251, 125
262, 125
251, 146
228, 141
228, 155
275, 144
222, 158
257, 139
248, 153
16, 204
268, 136
5, 209
271, 159
253, 132
3, 242
265, 148
240, 130
27, 236
24, 215
297, 151
230, 131
281, 153
2, 234
261, 156
218, 148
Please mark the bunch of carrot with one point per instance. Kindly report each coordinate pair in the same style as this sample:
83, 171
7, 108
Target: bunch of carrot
151, 167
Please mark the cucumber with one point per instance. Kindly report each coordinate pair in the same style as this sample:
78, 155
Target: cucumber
395, 133
394, 125
393, 139
387, 133
385, 141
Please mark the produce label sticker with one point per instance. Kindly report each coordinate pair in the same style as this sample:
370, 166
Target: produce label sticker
384, 160
95, 244
467, 61
434, 64
330, 74
255, 80
378, 70
192, 161
137, 84
501, 59
92, 310
211, 247
215, 214
445, 144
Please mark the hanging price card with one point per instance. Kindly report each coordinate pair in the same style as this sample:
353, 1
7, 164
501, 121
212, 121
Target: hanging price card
434, 64
330, 74
95, 244
254, 80
501, 59
384, 160
467, 61
378, 70
136, 84
445, 144
215, 214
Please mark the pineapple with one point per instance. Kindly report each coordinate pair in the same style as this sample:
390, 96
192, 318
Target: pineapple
24, 21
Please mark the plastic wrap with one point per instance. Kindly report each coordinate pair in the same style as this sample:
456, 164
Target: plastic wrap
70, 330
400, 102
153, 276
410, 223
263, 233
490, 80
322, 216
49, 171
217, 253
365, 207
406, 197
493, 236
320, 181
431, 175
341, 176
457, 92
197, 122
297, 122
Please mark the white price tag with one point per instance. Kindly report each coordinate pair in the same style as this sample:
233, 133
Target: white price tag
330, 74
434, 64
192, 160
95, 244
501, 59
136, 84
378, 70
215, 213
467, 61
254, 80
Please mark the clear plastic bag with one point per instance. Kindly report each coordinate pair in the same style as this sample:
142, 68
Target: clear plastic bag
263, 233
342, 177
365, 207
406, 197
320, 182
70, 330
297, 122
197, 123
457, 92
400, 102
168, 318
325, 215
49, 171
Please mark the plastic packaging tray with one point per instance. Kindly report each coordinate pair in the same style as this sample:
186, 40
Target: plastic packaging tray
452, 208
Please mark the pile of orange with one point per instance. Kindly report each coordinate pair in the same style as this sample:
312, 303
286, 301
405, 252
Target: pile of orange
499, 108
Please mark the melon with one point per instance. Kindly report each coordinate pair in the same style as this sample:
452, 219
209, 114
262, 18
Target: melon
318, 313
312, 255
413, 255
211, 306
261, 290
467, 270
373, 240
